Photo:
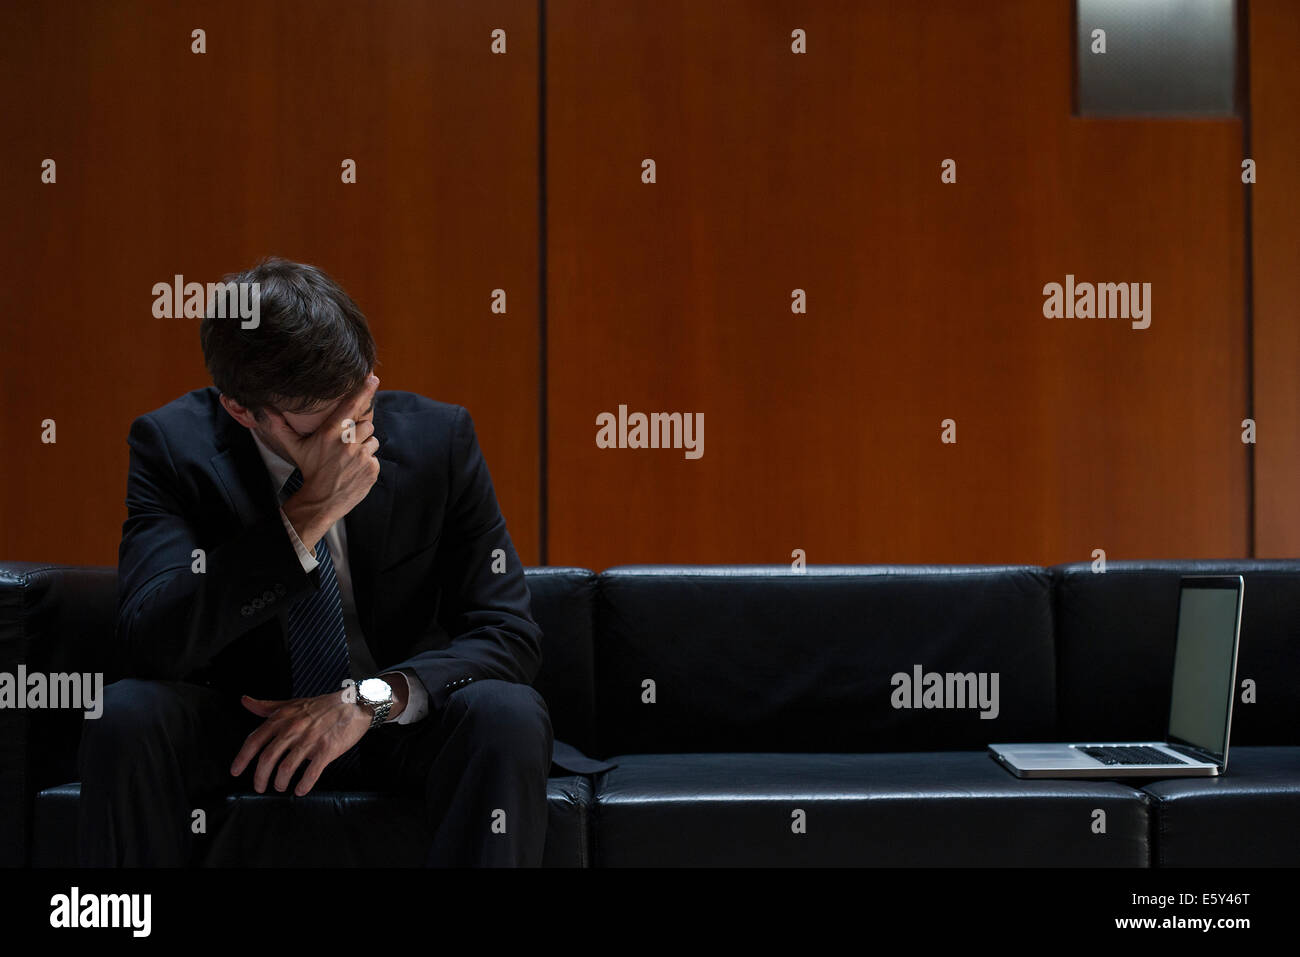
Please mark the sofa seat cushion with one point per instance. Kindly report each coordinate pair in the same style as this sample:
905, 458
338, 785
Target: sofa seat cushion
326, 829
950, 808
1248, 817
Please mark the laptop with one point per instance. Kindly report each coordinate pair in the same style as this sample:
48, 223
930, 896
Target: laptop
1200, 710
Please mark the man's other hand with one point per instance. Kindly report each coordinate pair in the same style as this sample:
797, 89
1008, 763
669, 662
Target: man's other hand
316, 730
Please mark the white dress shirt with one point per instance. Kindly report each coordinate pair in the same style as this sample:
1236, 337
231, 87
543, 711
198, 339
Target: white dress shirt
362, 661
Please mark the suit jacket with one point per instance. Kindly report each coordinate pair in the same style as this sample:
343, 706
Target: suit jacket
419, 545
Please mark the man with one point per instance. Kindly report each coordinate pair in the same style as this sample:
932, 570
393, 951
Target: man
316, 590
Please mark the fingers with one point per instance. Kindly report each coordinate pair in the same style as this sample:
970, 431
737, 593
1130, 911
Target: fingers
284, 432
271, 755
363, 435
259, 707
315, 767
352, 418
296, 737
288, 766
357, 408
360, 430
252, 744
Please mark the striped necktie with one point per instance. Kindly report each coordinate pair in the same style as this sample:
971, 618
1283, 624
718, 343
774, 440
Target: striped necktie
318, 641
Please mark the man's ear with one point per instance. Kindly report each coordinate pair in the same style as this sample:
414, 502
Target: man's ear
238, 412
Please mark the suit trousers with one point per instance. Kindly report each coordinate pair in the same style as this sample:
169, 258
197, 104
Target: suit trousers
163, 748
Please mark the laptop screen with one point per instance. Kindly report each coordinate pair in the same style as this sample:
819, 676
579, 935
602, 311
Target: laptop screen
1205, 664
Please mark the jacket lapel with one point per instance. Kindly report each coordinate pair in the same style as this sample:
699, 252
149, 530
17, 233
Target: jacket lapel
242, 473
367, 533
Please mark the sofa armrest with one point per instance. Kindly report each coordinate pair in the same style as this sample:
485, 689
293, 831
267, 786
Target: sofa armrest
53, 619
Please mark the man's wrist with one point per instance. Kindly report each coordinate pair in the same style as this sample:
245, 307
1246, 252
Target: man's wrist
401, 692
309, 522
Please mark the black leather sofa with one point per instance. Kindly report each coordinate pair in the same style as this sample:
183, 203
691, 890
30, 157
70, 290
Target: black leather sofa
751, 714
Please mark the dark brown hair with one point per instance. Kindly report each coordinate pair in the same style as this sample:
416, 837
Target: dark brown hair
311, 344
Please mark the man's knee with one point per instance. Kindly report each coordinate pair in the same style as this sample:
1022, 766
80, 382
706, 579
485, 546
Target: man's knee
503, 716
136, 713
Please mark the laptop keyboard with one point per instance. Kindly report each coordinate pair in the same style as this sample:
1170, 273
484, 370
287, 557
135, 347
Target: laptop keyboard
1131, 754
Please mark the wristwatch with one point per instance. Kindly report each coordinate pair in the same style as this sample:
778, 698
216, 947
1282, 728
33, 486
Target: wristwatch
375, 693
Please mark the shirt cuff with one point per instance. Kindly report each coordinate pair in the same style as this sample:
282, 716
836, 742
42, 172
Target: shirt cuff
306, 558
417, 699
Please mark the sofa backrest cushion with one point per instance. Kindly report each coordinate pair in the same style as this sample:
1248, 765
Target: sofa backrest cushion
60, 619
763, 658
562, 605
52, 621
1115, 652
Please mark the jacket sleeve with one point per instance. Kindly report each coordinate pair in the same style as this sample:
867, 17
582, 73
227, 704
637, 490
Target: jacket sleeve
176, 609
487, 613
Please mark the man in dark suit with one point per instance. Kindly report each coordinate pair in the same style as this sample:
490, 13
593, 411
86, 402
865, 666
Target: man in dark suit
316, 589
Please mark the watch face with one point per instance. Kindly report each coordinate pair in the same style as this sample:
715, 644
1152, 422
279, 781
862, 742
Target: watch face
374, 689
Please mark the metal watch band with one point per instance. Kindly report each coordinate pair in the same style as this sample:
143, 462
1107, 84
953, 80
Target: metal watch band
381, 713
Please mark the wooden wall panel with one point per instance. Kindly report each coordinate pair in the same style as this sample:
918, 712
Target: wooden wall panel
171, 162
1275, 145
822, 172
775, 172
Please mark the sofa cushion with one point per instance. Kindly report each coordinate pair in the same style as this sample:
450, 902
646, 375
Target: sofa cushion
1248, 817
760, 658
1115, 649
61, 619
52, 620
325, 829
913, 810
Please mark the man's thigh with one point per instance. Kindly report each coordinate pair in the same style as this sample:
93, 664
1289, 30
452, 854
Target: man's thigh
198, 727
398, 758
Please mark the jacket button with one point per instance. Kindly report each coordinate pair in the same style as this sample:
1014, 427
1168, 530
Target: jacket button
246, 611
